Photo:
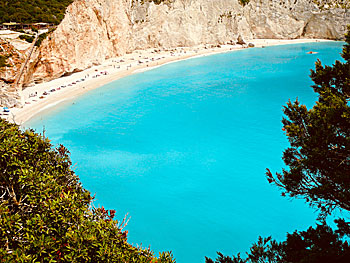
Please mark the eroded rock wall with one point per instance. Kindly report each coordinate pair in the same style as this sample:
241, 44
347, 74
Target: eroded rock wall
9, 95
296, 19
95, 30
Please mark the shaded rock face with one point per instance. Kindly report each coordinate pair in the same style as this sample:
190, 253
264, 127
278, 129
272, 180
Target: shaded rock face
8, 92
92, 31
95, 30
295, 19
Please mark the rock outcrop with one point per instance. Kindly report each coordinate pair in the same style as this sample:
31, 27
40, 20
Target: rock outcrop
95, 30
14, 55
296, 19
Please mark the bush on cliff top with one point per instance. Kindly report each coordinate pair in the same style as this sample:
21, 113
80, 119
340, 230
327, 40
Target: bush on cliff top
27, 38
33, 11
45, 213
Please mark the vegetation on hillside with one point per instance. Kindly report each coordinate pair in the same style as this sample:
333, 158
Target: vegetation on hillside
43, 36
26, 37
157, 2
244, 2
3, 61
33, 11
318, 162
45, 213
326, 4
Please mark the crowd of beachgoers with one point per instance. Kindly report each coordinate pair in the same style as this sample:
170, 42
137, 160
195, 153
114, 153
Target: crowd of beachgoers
34, 96
41, 96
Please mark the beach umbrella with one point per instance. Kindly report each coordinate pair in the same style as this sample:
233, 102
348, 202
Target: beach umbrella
6, 109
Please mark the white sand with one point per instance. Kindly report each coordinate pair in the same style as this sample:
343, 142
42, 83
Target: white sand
116, 68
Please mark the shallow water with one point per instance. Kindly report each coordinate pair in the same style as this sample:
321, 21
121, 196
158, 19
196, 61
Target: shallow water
183, 148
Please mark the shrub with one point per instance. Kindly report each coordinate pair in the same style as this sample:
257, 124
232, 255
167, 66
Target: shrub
33, 11
3, 61
46, 214
244, 2
27, 38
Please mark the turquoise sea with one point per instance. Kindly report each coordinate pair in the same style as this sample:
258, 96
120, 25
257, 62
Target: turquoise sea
183, 148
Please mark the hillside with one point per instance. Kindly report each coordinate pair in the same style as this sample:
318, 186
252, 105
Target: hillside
48, 216
33, 11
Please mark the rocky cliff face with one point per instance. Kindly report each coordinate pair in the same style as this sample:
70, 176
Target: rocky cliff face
15, 57
95, 30
296, 19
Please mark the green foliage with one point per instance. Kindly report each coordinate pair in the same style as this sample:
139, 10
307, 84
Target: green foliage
319, 154
327, 4
3, 61
27, 38
33, 11
318, 162
42, 37
45, 213
33, 29
316, 245
158, 2
244, 2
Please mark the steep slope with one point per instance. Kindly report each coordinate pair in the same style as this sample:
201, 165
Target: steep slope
13, 54
296, 19
94, 30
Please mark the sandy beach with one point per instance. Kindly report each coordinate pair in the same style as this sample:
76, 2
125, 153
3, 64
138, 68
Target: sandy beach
40, 97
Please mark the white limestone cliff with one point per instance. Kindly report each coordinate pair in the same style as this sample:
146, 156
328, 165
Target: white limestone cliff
95, 30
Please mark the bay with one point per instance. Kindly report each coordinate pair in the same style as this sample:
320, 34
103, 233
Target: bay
183, 148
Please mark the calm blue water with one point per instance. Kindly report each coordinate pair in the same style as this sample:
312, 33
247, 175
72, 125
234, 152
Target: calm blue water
183, 148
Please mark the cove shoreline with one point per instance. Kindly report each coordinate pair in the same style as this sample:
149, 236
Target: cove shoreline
116, 68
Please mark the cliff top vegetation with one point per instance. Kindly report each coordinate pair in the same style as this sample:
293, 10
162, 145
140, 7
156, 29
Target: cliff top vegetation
3, 61
33, 11
326, 4
45, 213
